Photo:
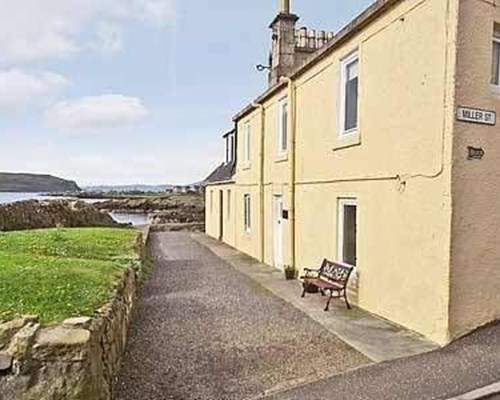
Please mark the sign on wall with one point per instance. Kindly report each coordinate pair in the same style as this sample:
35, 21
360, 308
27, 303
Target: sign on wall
476, 116
475, 153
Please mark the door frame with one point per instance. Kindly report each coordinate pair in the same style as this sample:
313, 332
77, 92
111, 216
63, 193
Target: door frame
342, 202
278, 241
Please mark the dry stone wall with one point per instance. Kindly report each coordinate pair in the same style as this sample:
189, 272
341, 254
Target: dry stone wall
75, 360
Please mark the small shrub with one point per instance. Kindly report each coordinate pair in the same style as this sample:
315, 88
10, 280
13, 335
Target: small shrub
291, 273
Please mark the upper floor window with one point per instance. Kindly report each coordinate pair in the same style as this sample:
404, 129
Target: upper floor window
230, 148
495, 67
349, 93
247, 143
283, 126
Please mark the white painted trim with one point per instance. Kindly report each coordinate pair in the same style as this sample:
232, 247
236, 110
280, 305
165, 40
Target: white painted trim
282, 143
247, 213
342, 133
278, 262
247, 143
341, 203
496, 87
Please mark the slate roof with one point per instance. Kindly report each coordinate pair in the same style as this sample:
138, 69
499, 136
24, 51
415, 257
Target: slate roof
222, 173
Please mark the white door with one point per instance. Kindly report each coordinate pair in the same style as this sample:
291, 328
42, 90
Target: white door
278, 232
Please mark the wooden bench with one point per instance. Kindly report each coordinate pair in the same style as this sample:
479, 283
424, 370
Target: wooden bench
331, 277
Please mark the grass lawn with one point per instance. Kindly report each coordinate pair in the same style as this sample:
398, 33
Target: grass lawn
61, 273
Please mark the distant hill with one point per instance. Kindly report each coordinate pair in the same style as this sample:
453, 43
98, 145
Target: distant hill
129, 188
31, 183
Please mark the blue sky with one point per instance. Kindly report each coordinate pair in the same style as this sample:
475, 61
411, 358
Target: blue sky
133, 91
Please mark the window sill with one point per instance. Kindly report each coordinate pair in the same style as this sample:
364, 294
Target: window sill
348, 140
281, 158
246, 167
495, 89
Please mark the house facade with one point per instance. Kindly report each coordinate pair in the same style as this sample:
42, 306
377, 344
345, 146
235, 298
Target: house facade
378, 147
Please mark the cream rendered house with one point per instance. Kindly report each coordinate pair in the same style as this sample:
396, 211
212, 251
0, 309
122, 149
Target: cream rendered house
378, 147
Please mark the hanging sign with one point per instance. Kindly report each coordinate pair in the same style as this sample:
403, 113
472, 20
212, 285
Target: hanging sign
477, 116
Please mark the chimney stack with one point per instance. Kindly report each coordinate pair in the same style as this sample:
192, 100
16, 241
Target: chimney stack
283, 43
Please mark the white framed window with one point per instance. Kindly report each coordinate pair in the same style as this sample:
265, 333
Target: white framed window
495, 62
247, 143
228, 204
347, 231
229, 148
248, 213
283, 127
349, 95
211, 201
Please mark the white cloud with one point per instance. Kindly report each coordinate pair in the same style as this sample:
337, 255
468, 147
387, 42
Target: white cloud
96, 114
32, 30
19, 89
109, 38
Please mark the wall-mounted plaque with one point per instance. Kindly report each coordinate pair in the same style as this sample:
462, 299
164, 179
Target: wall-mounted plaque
475, 153
476, 116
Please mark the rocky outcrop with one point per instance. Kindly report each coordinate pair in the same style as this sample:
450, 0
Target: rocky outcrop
180, 203
183, 212
31, 183
75, 360
35, 214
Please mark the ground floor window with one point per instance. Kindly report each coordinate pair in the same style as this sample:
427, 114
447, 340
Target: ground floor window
248, 216
347, 231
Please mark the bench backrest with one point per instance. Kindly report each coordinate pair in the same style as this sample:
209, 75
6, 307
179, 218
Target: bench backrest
338, 273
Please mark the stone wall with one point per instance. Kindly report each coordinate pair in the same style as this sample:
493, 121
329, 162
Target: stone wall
75, 360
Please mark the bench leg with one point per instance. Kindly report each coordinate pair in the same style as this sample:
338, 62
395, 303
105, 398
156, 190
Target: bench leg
328, 302
346, 301
304, 291
322, 292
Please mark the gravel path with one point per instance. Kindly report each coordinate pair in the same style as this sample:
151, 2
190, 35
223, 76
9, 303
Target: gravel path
204, 331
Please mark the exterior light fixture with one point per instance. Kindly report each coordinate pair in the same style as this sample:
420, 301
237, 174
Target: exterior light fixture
262, 68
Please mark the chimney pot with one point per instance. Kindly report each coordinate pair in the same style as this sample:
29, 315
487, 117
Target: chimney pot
285, 6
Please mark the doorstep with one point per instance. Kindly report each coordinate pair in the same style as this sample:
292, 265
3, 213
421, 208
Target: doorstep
376, 338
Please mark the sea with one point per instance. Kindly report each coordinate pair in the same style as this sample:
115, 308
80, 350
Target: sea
123, 218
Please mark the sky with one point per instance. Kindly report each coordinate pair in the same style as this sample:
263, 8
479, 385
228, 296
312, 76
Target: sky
134, 91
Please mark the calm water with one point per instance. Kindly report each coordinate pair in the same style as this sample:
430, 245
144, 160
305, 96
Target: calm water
123, 218
6, 198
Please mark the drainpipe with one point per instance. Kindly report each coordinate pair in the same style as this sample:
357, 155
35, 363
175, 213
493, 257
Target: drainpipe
261, 179
293, 168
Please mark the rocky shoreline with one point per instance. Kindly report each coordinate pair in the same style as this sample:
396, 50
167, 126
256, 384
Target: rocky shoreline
178, 212
175, 212
38, 214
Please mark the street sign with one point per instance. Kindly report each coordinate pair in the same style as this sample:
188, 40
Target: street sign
477, 116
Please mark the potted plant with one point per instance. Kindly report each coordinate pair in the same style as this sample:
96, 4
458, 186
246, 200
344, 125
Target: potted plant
291, 273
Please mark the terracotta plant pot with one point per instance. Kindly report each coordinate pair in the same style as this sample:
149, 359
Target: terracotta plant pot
291, 273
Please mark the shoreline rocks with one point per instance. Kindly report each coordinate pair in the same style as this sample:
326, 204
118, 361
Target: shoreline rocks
35, 214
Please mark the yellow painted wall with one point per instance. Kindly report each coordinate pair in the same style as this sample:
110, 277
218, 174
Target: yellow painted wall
398, 167
475, 256
229, 212
405, 131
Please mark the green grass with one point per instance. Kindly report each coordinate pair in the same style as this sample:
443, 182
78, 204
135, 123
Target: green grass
61, 273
